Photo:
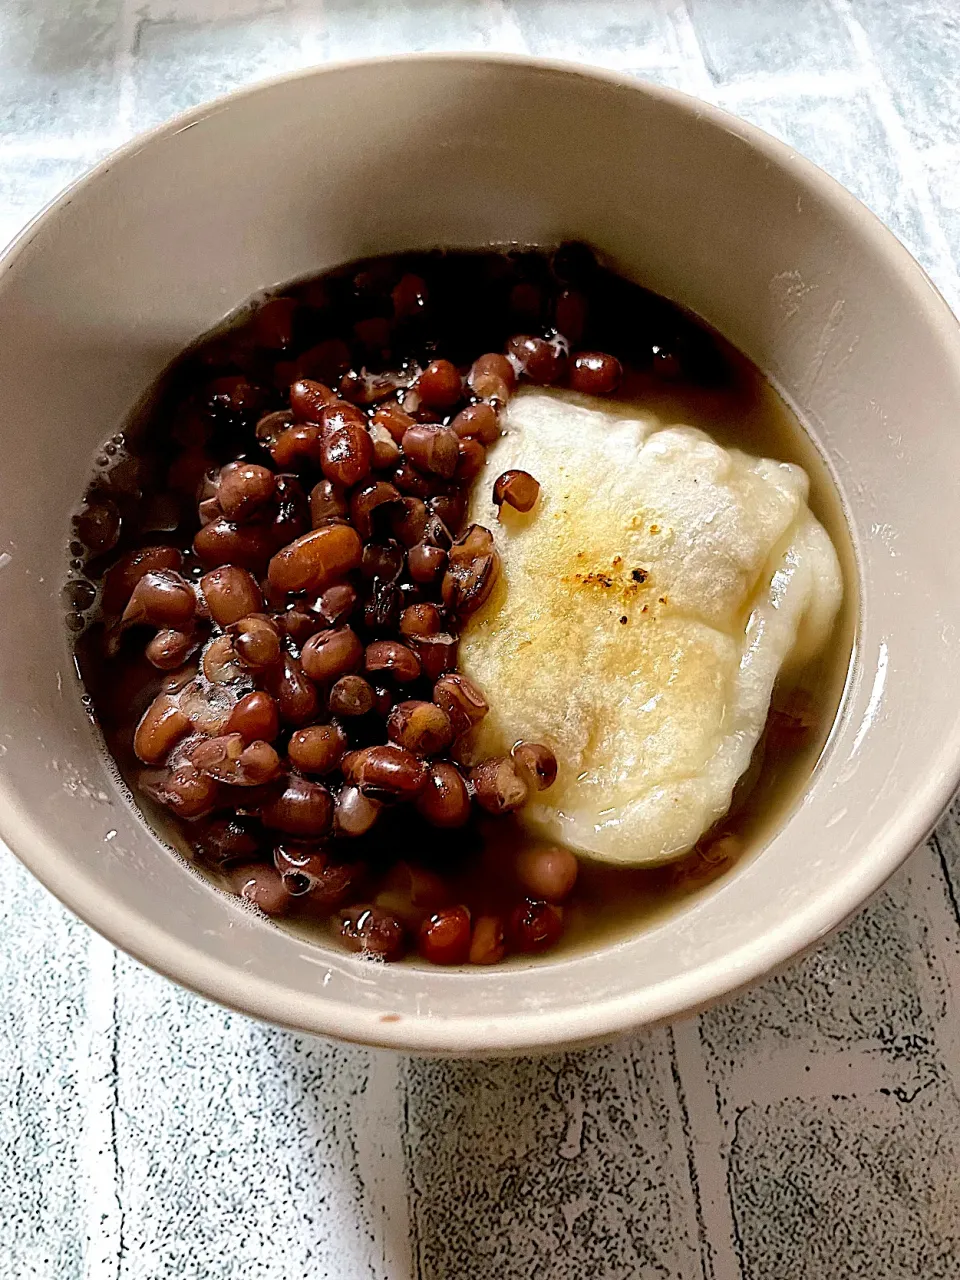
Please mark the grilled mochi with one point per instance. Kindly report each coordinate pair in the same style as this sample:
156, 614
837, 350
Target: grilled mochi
647, 604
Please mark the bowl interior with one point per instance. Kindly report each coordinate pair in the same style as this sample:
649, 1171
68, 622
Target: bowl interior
292, 178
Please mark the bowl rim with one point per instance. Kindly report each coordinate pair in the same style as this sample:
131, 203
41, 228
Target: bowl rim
523, 1030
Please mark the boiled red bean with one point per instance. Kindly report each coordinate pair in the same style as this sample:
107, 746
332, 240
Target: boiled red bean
393, 419
439, 386
478, 422
445, 936
327, 502
270, 427
262, 887
221, 841
161, 599
432, 448
170, 649
535, 926
437, 654
570, 315
373, 932
231, 593
426, 563
472, 569
595, 373
408, 519
385, 771
444, 800
517, 489
302, 809
316, 559
471, 461
347, 450
373, 502
386, 451
310, 875
255, 717
448, 507
256, 641
98, 526
219, 661
308, 399
299, 445
318, 748
222, 542
548, 873
232, 760
233, 397
161, 728
492, 377
537, 763
498, 785
421, 727
487, 945
390, 657
295, 695
188, 792
351, 696
244, 489
120, 581
354, 813
331, 654
542, 361
422, 619
461, 700
412, 482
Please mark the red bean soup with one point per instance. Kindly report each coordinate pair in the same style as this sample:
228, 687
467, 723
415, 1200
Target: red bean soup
271, 569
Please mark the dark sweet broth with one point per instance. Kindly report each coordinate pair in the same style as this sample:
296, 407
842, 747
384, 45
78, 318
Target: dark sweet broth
366, 332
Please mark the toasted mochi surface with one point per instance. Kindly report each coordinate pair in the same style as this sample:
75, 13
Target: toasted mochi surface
647, 603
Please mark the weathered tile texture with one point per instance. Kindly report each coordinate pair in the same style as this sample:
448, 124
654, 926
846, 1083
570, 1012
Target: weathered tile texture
809, 1130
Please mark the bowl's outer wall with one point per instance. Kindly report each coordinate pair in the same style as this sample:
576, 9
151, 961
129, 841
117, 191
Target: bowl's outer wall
306, 173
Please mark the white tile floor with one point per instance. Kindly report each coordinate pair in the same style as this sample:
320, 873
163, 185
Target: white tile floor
809, 1130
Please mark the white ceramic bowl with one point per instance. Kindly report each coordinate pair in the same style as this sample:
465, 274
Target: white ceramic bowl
174, 231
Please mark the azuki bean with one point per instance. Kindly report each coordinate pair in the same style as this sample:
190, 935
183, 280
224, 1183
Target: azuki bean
386, 451
439, 386
547, 873
432, 448
411, 481
437, 654
386, 771
219, 661
337, 603
535, 926
393, 419
225, 840
351, 696
231, 593
347, 450
420, 727
537, 763
392, 658
426, 563
408, 519
477, 422
299, 444
354, 813
295, 695
270, 427
445, 936
327, 502
308, 399
162, 726
302, 809
517, 489
487, 944
169, 649
256, 641
370, 504
222, 542
472, 570
263, 887
382, 610
317, 748
383, 561
120, 581
462, 701
185, 790
498, 785
308, 873
444, 800
331, 654
448, 508
255, 717
492, 376
316, 559
373, 932
472, 460
232, 760
161, 599
244, 489
542, 361
98, 526
421, 620
595, 373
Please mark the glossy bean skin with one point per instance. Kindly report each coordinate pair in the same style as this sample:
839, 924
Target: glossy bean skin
385, 771
295, 695
373, 933
317, 749
330, 654
302, 809
487, 941
518, 489
161, 598
439, 385
169, 649
432, 448
445, 936
255, 717
462, 701
594, 373
393, 659
478, 422
473, 566
316, 559
537, 763
444, 800
498, 785
420, 727
547, 873
244, 489
534, 926
309, 398
352, 696
231, 593
162, 726
262, 887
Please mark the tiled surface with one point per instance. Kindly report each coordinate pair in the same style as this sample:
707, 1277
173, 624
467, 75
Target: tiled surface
809, 1130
